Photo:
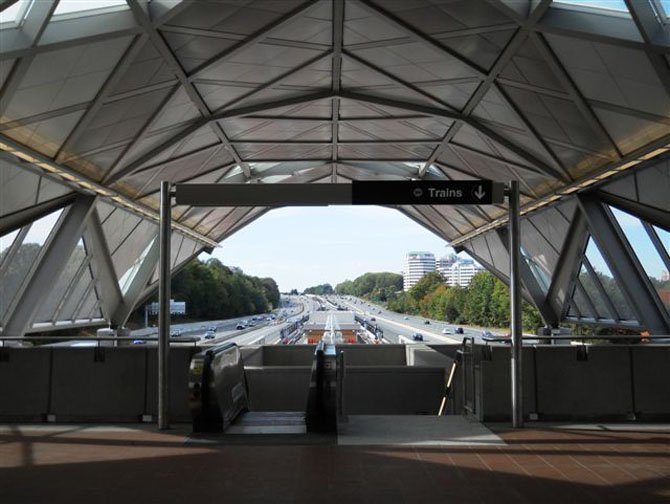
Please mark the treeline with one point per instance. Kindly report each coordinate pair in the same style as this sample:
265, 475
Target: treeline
485, 302
214, 291
319, 290
374, 286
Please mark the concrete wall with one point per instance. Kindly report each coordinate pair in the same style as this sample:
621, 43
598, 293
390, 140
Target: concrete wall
89, 384
96, 384
651, 368
571, 385
288, 355
180, 360
494, 386
24, 379
278, 388
373, 355
431, 355
393, 390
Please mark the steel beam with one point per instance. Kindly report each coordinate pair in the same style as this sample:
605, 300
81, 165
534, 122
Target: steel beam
164, 280
98, 102
625, 267
515, 304
25, 216
657, 216
50, 265
532, 286
255, 37
132, 167
191, 91
576, 96
103, 266
137, 285
567, 266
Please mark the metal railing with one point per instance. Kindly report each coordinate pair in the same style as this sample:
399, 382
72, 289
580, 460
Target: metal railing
47, 340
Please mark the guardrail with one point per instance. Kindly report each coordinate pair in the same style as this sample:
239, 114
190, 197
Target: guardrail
368, 325
97, 340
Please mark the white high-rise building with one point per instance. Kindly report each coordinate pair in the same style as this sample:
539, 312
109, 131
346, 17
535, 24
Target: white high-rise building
461, 272
417, 264
444, 263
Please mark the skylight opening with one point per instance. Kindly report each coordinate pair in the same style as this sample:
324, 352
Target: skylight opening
611, 7
13, 16
662, 8
68, 9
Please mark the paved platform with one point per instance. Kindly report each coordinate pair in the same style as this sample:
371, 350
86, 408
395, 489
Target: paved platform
404, 430
135, 463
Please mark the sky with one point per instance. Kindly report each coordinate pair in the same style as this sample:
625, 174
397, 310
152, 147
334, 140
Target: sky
303, 247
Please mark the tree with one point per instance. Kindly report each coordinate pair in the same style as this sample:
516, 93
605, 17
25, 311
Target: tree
213, 291
427, 283
319, 290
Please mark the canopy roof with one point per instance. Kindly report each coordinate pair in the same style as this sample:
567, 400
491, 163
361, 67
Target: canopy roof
114, 97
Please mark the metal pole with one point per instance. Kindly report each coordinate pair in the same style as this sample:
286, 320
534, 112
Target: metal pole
515, 303
164, 304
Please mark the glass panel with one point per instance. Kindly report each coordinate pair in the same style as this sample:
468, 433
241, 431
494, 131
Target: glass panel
665, 7
129, 275
581, 303
18, 269
87, 307
594, 295
646, 252
14, 14
608, 282
68, 311
614, 5
6, 242
86, 6
543, 277
573, 311
61, 287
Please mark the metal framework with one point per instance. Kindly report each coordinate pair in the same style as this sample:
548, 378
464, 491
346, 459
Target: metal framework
560, 99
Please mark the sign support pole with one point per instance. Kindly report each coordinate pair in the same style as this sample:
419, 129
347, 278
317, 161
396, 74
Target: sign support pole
515, 303
165, 240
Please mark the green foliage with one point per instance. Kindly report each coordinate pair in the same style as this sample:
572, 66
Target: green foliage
378, 287
485, 302
213, 291
319, 290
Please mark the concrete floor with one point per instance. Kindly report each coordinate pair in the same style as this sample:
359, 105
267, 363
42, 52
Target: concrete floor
128, 464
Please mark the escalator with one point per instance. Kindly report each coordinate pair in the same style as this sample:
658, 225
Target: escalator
219, 396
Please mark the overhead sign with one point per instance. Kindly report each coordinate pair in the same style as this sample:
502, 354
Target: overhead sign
359, 192
422, 192
176, 307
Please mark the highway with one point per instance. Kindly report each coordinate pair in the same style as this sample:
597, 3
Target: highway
225, 330
394, 324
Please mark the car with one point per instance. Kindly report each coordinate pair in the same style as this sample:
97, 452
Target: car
459, 330
417, 336
487, 334
239, 326
175, 333
446, 330
372, 319
426, 322
139, 342
212, 328
210, 335
405, 318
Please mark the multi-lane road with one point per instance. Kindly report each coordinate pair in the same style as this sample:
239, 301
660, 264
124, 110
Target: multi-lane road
395, 324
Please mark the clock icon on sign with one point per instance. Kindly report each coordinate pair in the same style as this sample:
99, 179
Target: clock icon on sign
418, 192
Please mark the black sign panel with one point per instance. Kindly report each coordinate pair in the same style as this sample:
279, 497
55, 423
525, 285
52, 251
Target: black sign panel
422, 192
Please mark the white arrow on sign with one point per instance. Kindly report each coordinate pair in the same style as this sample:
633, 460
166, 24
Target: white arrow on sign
480, 193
